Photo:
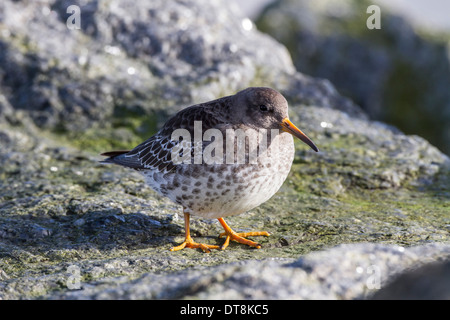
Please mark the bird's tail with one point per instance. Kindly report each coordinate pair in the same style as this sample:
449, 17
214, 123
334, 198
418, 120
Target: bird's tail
111, 155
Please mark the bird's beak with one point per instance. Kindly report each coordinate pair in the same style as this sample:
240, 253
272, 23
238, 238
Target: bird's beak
288, 126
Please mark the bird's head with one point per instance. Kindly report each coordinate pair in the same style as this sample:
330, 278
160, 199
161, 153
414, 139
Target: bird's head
260, 107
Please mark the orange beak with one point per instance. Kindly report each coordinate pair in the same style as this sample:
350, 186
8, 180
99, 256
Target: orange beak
288, 126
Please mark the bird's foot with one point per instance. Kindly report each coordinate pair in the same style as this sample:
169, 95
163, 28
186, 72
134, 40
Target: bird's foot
240, 237
190, 243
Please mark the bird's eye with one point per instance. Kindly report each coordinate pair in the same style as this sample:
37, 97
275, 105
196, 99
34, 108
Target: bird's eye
263, 108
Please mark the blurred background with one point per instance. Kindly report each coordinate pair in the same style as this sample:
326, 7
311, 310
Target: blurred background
399, 74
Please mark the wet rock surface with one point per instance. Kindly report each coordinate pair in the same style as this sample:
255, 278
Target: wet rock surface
71, 228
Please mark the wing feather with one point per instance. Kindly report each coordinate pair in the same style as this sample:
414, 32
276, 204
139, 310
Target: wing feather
155, 153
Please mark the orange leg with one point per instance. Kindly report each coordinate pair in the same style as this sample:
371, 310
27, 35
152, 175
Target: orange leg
239, 237
189, 242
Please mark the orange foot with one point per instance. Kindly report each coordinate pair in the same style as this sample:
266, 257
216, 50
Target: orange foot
229, 233
189, 243
239, 237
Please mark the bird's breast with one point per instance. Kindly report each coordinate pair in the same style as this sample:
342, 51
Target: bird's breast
220, 190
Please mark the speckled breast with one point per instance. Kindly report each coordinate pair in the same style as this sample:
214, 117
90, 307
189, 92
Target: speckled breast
220, 190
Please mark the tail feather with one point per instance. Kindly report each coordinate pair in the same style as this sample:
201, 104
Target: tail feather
119, 157
114, 153
111, 155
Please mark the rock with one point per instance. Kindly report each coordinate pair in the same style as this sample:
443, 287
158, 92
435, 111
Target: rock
132, 61
397, 74
68, 222
373, 155
428, 282
356, 271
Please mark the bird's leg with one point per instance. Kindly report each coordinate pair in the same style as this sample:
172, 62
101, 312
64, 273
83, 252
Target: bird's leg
189, 242
239, 237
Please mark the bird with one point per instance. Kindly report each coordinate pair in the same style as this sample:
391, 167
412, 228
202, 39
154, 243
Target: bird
197, 160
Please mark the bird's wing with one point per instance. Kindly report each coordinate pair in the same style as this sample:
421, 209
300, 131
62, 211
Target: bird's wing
156, 152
